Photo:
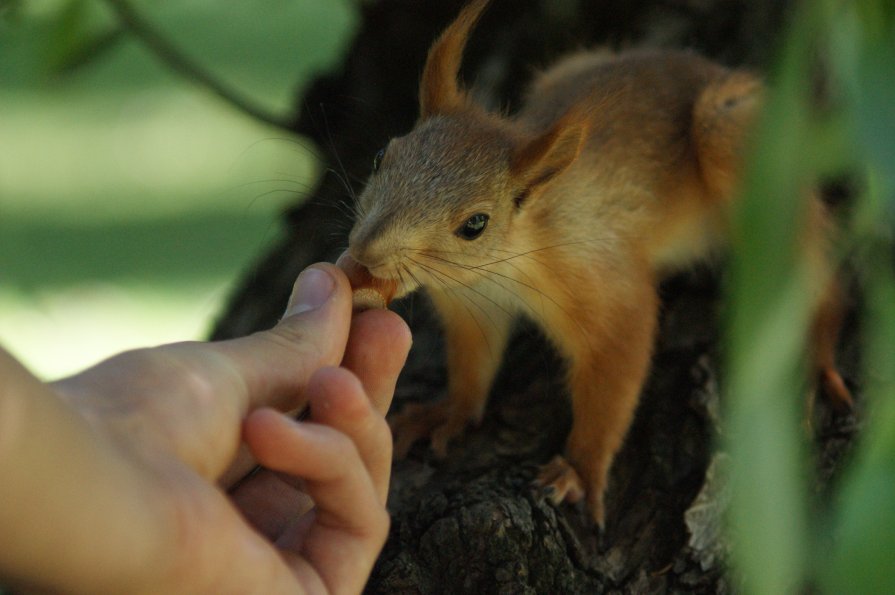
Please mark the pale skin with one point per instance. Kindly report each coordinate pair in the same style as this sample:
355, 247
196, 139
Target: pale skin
134, 476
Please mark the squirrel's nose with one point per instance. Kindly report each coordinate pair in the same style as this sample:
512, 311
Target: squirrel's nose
370, 249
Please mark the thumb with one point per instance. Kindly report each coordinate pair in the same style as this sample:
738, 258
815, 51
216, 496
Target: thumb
276, 364
312, 290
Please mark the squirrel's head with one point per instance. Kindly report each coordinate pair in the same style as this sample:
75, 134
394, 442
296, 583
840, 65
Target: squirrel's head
442, 201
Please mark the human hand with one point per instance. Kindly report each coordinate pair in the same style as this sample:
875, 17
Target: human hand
169, 421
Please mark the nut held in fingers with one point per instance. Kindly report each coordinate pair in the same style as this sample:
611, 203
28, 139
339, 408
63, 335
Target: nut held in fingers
368, 291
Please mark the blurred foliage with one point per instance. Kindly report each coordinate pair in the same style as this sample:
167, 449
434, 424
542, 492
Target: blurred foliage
131, 197
79, 34
266, 49
784, 542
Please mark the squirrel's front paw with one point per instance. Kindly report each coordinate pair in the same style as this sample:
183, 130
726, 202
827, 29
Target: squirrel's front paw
417, 421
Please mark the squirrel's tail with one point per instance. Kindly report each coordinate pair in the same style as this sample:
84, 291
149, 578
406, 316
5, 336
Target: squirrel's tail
723, 118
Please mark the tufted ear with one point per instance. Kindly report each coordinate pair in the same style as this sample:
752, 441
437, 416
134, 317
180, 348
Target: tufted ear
537, 160
440, 91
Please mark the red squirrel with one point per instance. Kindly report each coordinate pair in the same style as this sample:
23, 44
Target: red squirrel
617, 170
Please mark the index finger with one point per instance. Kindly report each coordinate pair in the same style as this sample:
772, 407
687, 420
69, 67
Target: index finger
377, 350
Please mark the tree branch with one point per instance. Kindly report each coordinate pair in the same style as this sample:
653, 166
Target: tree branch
134, 23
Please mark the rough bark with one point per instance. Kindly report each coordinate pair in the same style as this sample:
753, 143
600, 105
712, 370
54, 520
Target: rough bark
472, 524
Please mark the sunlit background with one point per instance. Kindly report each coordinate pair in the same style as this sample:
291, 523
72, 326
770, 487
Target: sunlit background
130, 199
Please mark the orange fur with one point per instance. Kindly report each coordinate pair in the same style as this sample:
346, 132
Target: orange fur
617, 170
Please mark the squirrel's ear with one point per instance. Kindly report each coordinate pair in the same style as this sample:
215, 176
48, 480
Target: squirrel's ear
440, 91
539, 159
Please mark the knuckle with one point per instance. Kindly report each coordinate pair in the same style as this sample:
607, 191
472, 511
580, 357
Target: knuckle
291, 338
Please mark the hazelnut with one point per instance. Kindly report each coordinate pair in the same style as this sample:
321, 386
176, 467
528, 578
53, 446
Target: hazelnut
368, 291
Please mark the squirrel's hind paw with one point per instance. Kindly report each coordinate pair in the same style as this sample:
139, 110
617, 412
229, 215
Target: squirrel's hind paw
558, 481
834, 389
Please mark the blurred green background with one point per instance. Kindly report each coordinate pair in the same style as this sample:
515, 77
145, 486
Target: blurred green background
131, 199
786, 536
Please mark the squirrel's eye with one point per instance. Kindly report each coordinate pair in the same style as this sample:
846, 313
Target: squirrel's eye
377, 160
473, 227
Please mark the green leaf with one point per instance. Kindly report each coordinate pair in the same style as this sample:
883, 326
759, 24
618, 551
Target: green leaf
77, 31
770, 308
864, 521
859, 558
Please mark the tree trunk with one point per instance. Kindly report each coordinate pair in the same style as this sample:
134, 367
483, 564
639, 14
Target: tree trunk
472, 524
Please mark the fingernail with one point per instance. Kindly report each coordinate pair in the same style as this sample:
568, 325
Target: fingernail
312, 289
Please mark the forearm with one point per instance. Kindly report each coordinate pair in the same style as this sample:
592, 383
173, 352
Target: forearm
69, 507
